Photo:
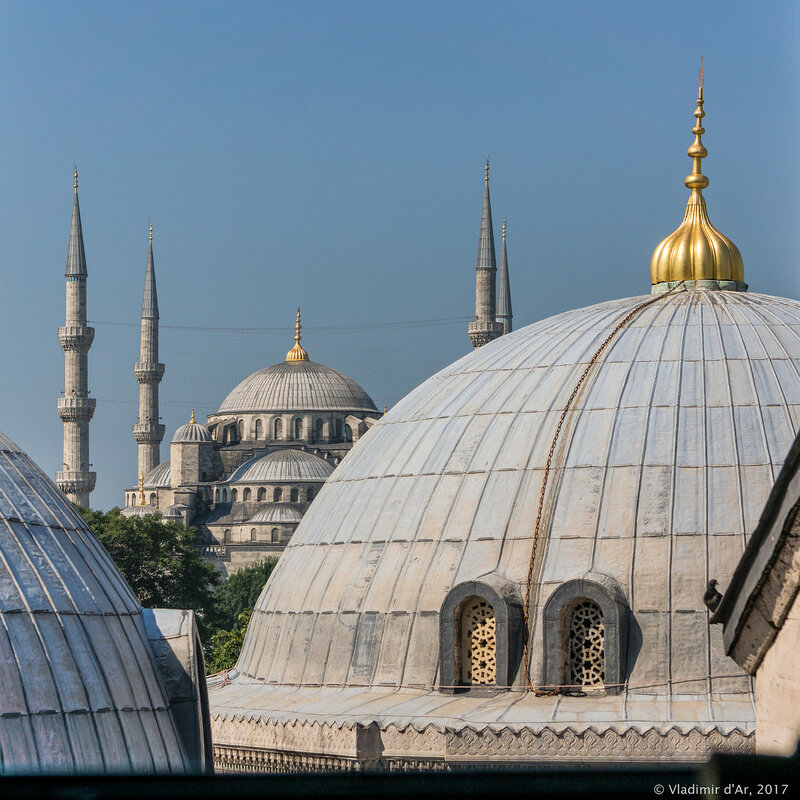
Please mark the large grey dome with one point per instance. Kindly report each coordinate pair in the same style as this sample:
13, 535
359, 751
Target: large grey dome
283, 466
80, 688
297, 386
661, 470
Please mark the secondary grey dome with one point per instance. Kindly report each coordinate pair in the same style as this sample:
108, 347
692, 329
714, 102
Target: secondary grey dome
159, 477
191, 433
283, 466
81, 692
661, 470
297, 386
139, 510
277, 513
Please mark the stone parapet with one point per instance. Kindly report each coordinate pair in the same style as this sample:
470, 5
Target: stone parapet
148, 432
76, 337
148, 371
76, 409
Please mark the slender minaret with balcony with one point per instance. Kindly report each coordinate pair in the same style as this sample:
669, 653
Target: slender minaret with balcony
504, 315
76, 407
148, 431
485, 327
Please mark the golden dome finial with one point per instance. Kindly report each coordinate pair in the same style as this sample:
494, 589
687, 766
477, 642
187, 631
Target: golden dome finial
297, 353
193, 421
75, 174
487, 169
151, 230
141, 489
504, 230
697, 251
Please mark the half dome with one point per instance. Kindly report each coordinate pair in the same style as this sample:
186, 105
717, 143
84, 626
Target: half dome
283, 466
81, 692
159, 477
277, 513
297, 386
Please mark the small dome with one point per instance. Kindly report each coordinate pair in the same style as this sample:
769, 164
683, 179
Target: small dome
139, 511
283, 466
277, 513
191, 433
159, 477
81, 692
174, 511
297, 386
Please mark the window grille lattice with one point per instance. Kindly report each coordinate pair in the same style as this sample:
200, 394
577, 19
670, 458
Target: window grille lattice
479, 643
587, 645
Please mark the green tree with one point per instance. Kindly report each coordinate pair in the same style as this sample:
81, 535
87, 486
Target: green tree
225, 646
160, 562
240, 592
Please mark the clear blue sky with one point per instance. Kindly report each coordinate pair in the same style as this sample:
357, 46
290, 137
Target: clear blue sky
330, 155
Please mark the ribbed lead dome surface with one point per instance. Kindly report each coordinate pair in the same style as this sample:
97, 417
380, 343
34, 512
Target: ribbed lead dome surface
297, 386
283, 465
661, 471
79, 691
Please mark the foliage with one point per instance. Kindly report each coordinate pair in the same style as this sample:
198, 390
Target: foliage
160, 562
225, 645
240, 592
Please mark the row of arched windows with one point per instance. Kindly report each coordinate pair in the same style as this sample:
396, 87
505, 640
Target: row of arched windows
339, 431
584, 638
263, 494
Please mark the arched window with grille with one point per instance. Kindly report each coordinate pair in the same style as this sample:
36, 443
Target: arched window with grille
262, 494
253, 534
275, 535
348, 433
234, 495
241, 430
153, 498
310, 494
224, 495
246, 494
480, 635
277, 495
298, 428
318, 428
338, 429
259, 429
277, 429
585, 641
294, 496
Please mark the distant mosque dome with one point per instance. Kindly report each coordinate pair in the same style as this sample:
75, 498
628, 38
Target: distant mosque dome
159, 477
283, 466
82, 691
139, 510
277, 514
297, 384
510, 565
191, 433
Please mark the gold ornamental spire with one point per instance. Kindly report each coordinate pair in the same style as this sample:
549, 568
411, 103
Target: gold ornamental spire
697, 251
193, 421
487, 169
297, 353
75, 174
151, 230
141, 490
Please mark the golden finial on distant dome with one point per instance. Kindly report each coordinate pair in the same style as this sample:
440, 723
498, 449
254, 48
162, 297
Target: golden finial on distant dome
193, 421
151, 230
75, 173
297, 353
487, 169
141, 489
504, 230
697, 251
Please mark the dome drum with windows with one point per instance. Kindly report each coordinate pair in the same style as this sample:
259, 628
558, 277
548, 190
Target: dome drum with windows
510, 565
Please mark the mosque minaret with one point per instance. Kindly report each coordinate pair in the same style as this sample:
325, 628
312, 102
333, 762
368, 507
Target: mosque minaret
485, 327
504, 315
76, 407
148, 431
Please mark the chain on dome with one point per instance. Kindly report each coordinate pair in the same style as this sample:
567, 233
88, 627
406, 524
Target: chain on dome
587, 645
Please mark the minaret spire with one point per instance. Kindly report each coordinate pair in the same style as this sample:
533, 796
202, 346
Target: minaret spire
76, 407
504, 315
148, 431
485, 327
